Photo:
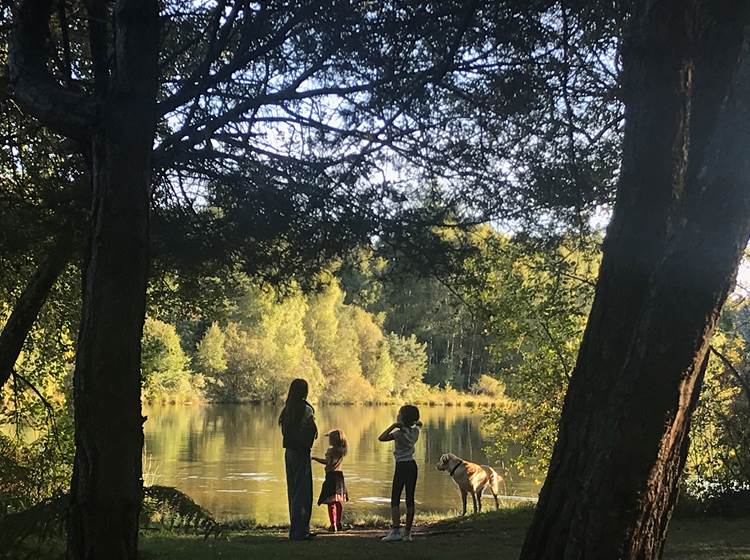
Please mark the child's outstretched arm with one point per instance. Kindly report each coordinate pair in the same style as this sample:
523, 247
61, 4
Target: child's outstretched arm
319, 460
387, 435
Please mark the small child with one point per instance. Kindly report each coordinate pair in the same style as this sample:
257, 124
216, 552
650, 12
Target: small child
333, 493
405, 475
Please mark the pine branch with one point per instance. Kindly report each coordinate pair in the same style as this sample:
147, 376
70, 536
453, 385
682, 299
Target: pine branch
30, 83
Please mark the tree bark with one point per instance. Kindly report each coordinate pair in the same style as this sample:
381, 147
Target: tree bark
107, 486
681, 222
30, 302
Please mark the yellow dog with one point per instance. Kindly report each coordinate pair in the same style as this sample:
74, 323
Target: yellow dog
471, 479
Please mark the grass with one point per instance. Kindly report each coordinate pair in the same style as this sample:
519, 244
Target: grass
496, 535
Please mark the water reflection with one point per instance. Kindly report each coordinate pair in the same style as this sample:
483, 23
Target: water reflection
229, 459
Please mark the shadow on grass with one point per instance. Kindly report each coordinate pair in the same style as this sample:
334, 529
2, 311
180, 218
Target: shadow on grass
496, 535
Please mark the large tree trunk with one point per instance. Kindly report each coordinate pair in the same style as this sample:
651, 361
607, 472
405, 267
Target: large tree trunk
26, 309
107, 486
681, 223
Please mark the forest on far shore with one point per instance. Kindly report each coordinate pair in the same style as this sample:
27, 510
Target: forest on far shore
371, 331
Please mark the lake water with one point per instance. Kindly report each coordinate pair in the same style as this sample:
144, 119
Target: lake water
229, 458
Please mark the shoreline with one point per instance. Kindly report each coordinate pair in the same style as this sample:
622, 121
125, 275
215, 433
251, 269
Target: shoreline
468, 403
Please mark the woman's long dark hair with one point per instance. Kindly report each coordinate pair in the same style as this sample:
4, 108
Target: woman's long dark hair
294, 407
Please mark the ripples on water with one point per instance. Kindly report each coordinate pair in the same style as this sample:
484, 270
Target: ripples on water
229, 458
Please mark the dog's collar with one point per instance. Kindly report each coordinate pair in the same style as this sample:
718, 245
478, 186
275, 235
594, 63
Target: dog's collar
456, 467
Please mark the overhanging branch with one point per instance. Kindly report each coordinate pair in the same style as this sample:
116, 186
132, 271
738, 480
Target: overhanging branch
30, 302
30, 83
739, 377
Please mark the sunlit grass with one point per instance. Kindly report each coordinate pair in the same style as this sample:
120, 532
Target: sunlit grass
496, 535
379, 521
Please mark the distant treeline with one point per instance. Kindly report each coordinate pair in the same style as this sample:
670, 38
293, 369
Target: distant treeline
342, 350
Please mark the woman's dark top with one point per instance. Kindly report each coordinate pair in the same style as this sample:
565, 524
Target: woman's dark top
301, 436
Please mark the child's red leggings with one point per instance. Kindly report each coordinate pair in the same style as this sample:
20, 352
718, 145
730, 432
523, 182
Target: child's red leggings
335, 512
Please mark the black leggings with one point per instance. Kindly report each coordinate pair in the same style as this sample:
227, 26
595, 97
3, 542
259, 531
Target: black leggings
405, 475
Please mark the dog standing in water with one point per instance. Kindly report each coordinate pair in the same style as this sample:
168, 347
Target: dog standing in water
471, 479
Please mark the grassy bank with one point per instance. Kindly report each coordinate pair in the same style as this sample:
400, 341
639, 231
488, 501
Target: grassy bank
496, 535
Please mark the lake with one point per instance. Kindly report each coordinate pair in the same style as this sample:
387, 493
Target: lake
229, 458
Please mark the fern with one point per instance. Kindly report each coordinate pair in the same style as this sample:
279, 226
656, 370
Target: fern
162, 506
43, 520
175, 510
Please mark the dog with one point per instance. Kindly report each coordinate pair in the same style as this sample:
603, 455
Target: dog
471, 479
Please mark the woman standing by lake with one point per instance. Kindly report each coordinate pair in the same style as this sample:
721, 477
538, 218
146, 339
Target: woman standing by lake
297, 421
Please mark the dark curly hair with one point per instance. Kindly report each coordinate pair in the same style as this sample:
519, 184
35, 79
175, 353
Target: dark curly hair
409, 414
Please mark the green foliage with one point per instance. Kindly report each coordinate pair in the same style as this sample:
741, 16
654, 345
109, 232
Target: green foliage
37, 466
36, 424
500, 317
537, 301
410, 360
383, 374
171, 509
414, 302
374, 359
330, 328
210, 354
339, 348
265, 348
489, 386
162, 507
718, 462
41, 521
164, 366
234, 383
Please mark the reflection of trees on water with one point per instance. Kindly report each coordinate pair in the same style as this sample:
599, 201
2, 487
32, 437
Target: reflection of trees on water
229, 457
